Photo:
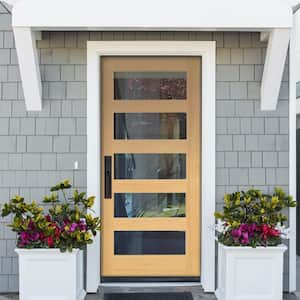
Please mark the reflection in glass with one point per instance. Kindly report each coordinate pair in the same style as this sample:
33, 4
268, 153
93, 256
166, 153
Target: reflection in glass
149, 85
149, 126
149, 205
149, 166
149, 242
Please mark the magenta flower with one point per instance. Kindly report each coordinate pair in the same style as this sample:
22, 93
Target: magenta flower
82, 226
73, 227
236, 233
31, 225
35, 236
24, 238
245, 238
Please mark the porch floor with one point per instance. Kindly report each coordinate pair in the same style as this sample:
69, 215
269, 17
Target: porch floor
197, 292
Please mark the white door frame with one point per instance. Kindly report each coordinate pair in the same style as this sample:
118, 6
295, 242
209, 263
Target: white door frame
207, 50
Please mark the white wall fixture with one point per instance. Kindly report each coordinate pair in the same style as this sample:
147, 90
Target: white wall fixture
246, 273
48, 274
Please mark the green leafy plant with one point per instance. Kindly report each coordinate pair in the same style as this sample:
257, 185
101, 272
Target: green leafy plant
252, 218
67, 224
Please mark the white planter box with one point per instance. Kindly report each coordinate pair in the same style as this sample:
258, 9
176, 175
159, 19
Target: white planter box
246, 273
48, 274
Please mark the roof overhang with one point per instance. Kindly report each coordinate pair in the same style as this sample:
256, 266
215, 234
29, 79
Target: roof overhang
153, 15
30, 16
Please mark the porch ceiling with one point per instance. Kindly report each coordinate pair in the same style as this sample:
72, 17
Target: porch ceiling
31, 16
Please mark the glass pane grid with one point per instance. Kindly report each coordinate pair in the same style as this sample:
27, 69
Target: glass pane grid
149, 205
150, 85
149, 242
131, 126
149, 166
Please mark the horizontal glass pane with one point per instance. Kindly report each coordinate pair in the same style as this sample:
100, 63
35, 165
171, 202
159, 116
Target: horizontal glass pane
133, 126
149, 166
149, 205
149, 242
149, 85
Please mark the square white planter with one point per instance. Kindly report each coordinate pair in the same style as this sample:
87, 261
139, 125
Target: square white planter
246, 273
48, 274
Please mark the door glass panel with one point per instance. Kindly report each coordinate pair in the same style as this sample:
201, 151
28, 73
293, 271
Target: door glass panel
149, 205
150, 85
149, 166
149, 242
133, 126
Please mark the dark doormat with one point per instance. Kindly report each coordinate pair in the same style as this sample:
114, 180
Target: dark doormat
151, 296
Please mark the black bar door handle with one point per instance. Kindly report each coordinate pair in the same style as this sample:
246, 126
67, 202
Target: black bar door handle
107, 177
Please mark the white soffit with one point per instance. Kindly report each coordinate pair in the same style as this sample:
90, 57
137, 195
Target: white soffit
31, 16
154, 14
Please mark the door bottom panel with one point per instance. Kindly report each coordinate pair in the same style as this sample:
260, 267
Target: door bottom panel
149, 279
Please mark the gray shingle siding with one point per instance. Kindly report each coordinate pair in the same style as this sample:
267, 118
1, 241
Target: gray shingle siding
39, 148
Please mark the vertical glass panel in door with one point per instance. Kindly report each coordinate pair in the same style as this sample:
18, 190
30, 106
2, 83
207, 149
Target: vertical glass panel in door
150, 85
133, 126
149, 166
149, 205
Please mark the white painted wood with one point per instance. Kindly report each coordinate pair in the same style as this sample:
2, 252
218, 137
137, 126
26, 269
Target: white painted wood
264, 36
293, 105
273, 68
297, 106
130, 14
93, 161
25, 40
207, 50
246, 273
48, 274
11, 2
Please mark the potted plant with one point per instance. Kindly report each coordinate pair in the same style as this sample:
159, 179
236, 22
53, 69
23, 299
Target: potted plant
50, 243
250, 231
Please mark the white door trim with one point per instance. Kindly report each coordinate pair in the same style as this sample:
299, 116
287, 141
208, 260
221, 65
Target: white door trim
207, 50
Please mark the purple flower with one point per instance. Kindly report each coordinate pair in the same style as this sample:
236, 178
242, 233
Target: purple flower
35, 236
82, 226
236, 233
24, 238
31, 225
251, 229
245, 238
73, 227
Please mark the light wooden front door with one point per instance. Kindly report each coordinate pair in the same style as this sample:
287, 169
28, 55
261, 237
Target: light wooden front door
151, 166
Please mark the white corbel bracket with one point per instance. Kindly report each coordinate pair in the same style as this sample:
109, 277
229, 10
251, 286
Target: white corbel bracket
274, 66
25, 40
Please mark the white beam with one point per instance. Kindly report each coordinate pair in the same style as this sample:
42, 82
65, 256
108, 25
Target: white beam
25, 40
264, 36
274, 65
293, 106
297, 106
